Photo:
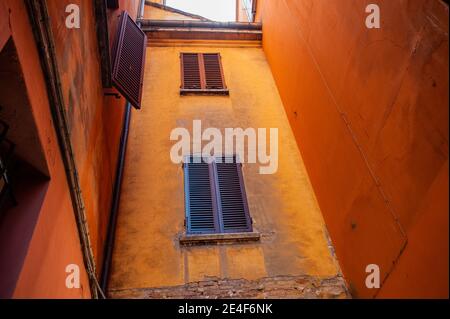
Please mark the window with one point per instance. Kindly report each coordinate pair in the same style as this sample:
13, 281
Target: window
24, 174
215, 196
202, 73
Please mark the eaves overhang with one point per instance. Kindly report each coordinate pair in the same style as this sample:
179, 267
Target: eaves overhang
201, 30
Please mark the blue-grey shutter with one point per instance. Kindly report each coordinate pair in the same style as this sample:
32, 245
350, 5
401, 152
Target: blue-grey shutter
201, 207
232, 199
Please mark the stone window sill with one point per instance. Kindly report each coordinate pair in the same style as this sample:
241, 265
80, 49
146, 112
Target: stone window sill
204, 92
217, 239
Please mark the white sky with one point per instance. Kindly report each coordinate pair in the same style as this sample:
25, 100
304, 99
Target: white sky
217, 10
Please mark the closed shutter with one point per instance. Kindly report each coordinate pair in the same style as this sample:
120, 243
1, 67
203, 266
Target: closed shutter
232, 198
201, 214
213, 71
191, 71
129, 60
215, 197
202, 73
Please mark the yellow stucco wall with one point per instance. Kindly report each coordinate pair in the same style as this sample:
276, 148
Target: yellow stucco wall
151, 216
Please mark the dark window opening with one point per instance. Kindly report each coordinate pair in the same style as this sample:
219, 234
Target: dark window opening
202, 73
112, 4
6, 154
23, 171
215, 198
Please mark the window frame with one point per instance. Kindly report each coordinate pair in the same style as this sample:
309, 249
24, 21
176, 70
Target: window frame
203, 90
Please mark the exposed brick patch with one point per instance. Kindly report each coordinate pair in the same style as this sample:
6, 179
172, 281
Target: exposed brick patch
289, 287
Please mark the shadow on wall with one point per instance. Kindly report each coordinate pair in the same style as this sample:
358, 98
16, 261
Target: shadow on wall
23, 172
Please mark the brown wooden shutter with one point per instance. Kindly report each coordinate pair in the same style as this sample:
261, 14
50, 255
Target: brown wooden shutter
190, 67
213, 71
129, 60
202, 73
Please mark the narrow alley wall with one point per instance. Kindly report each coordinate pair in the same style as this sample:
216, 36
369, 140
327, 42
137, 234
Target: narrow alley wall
54, 243
95, 120
95, 124
369, 110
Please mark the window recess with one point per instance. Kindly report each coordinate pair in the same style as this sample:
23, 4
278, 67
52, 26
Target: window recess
6, 152
202, 73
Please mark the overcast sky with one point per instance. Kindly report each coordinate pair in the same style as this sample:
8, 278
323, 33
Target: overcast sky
218, 10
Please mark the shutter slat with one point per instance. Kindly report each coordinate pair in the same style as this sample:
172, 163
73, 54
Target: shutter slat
129, 60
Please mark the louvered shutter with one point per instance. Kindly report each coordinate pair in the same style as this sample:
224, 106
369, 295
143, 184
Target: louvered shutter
215, 197
233, 207
213, 71
190, 67
129, 60
201, 211
202, 73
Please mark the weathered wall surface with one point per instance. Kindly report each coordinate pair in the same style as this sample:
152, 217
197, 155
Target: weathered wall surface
369, 110
147, 251
285, 287
95, 120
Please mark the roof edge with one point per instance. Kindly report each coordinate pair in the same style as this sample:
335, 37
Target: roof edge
171, 9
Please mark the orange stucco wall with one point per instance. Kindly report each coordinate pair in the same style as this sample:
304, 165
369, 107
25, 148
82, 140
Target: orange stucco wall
94, 119
55, 242
95, 123
369, 109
